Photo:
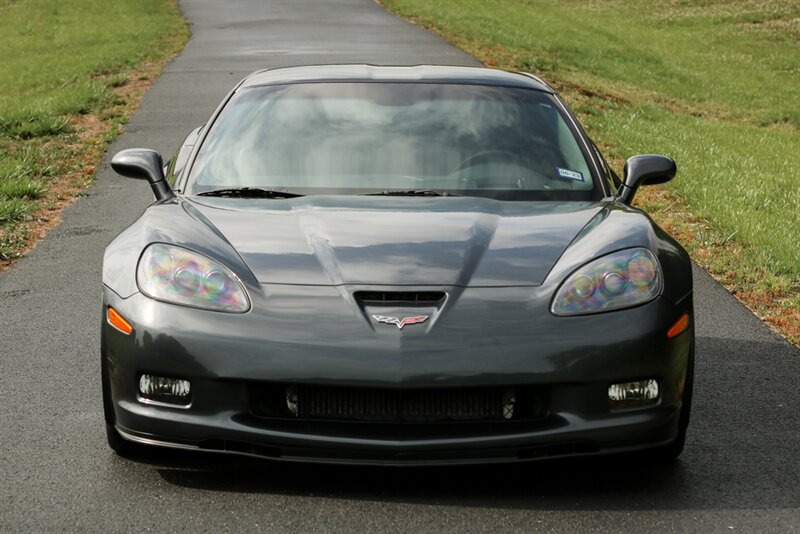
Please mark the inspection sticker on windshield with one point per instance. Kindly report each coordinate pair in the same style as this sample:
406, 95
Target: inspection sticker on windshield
570, 175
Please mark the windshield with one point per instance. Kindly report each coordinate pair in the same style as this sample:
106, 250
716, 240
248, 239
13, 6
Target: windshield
367, 138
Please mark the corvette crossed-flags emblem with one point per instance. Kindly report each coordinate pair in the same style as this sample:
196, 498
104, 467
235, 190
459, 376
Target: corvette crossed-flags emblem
400, 322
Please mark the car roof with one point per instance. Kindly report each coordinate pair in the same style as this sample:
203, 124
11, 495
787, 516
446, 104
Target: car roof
404, 74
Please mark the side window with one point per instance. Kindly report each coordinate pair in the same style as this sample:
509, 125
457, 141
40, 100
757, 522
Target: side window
178, 162
571, 152
611, 177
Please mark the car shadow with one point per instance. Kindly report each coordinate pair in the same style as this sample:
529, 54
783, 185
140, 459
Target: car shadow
741, 453
554, 484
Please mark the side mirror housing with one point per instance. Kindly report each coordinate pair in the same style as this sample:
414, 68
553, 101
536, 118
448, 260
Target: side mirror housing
143, 164
646, 169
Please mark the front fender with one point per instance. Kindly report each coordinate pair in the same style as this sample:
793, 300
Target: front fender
174, 222
619, 227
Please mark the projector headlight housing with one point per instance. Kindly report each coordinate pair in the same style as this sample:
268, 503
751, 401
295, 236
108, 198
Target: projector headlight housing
616, 281
180, 276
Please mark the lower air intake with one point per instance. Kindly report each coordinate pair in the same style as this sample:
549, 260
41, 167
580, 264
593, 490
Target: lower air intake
412, 406
305, 402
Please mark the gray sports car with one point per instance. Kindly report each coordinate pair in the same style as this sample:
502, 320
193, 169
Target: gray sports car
395, 265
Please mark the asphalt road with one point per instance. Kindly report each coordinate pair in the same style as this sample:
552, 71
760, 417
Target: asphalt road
741, 469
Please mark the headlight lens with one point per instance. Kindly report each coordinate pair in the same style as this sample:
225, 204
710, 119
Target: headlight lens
619, 280
179, 276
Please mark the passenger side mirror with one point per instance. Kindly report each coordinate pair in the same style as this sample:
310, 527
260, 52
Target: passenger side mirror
646, 169
143, 164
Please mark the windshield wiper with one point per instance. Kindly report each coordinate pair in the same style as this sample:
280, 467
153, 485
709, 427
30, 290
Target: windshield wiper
249, 192
412, 193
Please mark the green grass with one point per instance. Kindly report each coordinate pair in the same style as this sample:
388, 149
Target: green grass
12, 209
713, 83
54, 50
60, 59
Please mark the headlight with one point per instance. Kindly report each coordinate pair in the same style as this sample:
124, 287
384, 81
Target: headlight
174, 274
619, 280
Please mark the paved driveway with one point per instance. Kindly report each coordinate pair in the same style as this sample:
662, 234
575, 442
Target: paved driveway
740, 471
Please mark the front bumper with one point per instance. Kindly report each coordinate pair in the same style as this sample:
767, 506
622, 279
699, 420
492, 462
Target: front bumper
482, 337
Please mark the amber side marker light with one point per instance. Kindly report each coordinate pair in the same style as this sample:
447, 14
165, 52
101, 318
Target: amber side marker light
680, 325
118, 322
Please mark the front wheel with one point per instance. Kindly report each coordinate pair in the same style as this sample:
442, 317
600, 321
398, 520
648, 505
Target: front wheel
117, 443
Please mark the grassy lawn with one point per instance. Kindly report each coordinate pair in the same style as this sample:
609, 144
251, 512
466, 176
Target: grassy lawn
714, 84
72, 71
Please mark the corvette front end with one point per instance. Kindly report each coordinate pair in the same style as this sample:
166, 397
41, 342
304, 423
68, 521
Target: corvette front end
478, 295
518, 387
399, 374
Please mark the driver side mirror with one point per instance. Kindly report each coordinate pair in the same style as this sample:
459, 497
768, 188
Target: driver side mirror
644, 170
143, 164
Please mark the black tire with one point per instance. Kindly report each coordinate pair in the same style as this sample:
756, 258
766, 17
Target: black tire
117, 443
670, 452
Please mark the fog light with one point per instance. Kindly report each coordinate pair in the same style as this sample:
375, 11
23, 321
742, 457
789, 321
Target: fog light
170, 390
633, 394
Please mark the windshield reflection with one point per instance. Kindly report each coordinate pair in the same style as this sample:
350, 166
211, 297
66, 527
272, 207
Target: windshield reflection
349, 138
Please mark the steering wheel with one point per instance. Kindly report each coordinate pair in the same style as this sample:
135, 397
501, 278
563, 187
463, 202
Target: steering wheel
492, 154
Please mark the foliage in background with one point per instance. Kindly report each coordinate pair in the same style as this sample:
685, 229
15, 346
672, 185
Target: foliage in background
63, 95
712, 83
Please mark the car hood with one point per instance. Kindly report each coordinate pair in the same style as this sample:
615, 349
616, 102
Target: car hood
327, 240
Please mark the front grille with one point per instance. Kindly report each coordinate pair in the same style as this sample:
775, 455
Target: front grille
385, 298
327, 403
